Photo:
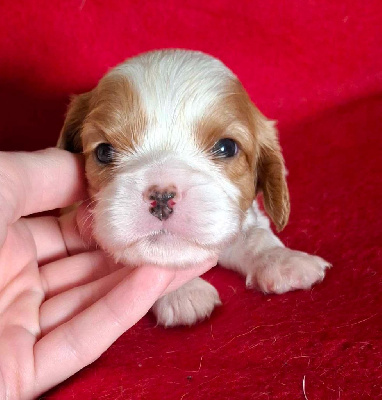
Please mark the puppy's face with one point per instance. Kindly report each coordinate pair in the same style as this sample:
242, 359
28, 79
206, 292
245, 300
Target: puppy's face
175, 154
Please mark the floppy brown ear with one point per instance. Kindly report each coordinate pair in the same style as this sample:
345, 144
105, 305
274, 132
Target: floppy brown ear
70, 133
271, 173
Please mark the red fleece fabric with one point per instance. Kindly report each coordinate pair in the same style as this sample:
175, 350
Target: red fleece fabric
316, 67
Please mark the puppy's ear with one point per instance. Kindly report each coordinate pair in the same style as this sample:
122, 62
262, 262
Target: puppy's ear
70, 133
271, 172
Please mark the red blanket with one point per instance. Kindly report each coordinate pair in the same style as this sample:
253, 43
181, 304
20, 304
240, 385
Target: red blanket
316, 66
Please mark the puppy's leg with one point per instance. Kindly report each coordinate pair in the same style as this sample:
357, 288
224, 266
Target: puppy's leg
266, 263
192, 302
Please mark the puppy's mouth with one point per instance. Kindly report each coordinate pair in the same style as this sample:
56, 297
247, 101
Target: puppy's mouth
159, 233
165, 237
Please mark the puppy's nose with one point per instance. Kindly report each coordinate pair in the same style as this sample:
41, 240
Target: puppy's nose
162, 201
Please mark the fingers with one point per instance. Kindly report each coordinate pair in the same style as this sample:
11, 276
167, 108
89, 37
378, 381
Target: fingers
39, 181
56, 238
80, 341
77, 270
48, 239
64, 306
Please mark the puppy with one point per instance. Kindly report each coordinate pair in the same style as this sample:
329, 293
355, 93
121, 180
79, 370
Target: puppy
176, 154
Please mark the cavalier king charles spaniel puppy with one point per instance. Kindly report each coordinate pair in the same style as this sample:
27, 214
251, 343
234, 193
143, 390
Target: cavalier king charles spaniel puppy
176, 154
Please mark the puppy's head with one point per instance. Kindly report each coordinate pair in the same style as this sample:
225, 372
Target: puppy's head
175, 154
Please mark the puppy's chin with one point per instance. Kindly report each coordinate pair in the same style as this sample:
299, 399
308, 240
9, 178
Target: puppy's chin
166, 250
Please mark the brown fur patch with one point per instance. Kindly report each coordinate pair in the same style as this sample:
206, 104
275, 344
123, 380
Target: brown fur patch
115, 113
70, 135
259, 165
110, 113
231, 118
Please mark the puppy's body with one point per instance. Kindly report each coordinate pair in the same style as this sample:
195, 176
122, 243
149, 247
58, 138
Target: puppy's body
175, 154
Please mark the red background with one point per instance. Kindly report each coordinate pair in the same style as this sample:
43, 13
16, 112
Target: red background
316, 67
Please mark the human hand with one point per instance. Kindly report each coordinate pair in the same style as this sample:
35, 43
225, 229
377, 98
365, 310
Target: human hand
62, 302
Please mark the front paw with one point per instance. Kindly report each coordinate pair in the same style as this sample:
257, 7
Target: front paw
280, 270
192, 302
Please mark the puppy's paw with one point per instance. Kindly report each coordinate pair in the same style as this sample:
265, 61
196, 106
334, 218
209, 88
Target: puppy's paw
280, 270
192, 302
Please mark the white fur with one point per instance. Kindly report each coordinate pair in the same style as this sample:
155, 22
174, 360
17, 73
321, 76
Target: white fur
194, 301
203, 222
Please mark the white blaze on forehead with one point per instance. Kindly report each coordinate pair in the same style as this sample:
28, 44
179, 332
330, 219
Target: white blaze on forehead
176, 88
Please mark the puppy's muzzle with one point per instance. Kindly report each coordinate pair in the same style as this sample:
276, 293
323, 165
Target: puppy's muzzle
162, 201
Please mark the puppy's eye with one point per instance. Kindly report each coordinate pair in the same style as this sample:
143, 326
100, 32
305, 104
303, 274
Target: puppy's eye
225, 148
104, 153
